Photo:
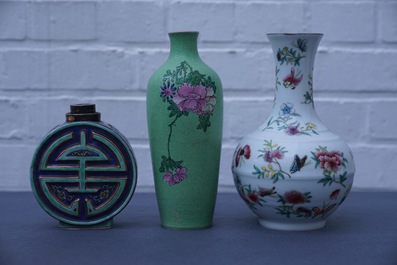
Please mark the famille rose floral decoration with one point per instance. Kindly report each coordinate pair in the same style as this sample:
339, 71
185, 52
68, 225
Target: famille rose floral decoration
187, 92
184, 107
292, 172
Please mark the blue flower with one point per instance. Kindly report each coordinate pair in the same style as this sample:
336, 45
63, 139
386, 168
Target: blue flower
168, 90
287, 109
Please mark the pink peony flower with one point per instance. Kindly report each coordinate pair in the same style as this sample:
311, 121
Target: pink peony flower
329, 160
294, 197
179, 176
197, 99
210, 100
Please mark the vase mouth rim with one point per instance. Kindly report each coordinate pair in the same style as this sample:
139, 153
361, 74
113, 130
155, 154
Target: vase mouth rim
184, 32
294, 34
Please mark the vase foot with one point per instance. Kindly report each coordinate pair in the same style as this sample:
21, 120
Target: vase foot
194, 227
292, 226
104, 225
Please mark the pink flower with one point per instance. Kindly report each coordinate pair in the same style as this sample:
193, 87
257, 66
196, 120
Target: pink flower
277, 154
292, 130
197, 99
179, 176
294, 197
270, 155
210, 100
168, 177
329, 160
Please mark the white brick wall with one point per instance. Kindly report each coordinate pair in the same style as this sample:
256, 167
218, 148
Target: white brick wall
56, 53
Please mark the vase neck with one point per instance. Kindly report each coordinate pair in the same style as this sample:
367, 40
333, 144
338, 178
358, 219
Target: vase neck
294, 58
184, 44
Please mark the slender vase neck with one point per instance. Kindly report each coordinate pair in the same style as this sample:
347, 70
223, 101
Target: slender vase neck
184, 44
294, 58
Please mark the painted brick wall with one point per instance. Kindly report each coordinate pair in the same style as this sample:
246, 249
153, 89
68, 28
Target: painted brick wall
56, 53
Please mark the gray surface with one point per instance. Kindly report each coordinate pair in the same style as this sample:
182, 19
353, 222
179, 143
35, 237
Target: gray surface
362, 231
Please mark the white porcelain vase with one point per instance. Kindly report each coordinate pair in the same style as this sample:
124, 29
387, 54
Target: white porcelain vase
292, 172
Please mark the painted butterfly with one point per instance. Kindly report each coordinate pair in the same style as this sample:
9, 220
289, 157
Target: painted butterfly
297, 164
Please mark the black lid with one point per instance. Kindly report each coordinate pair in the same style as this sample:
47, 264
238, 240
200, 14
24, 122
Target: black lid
83, 112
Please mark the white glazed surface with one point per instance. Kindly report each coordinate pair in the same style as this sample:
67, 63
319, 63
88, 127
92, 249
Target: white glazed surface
292, 171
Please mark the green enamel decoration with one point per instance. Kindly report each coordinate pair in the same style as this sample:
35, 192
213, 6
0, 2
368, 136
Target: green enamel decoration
185, 115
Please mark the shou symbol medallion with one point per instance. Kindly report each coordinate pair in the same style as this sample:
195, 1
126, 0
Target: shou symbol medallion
83, 173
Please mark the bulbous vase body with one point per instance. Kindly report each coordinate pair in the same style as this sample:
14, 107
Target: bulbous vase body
184, 113
292, 172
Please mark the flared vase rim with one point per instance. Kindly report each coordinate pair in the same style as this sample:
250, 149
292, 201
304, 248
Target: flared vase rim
184, 32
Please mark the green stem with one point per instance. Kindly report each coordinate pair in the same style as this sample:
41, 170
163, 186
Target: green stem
169, 136
339, 182
282, 171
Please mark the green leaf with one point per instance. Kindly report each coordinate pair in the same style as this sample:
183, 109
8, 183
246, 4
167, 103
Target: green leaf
168, 164
174, 110
343, 178
258, 172
204, 122
207, 82
194, 78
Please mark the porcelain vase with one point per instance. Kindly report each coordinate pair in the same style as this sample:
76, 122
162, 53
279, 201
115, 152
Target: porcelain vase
184, 114
292, 171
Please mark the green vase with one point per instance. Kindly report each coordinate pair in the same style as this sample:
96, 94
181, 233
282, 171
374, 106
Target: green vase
185, 115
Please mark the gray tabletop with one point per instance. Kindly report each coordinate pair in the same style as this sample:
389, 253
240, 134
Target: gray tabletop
362, 231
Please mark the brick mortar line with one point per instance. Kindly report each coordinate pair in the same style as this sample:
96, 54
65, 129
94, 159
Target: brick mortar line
227, 144
226, 99
138, 48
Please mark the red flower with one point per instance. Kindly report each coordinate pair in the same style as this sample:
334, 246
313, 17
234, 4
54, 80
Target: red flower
253, 197
292, 80
247, 151
334, 194
329, 160
294, 197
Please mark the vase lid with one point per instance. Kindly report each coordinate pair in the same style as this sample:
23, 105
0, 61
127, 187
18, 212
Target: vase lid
83, 112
